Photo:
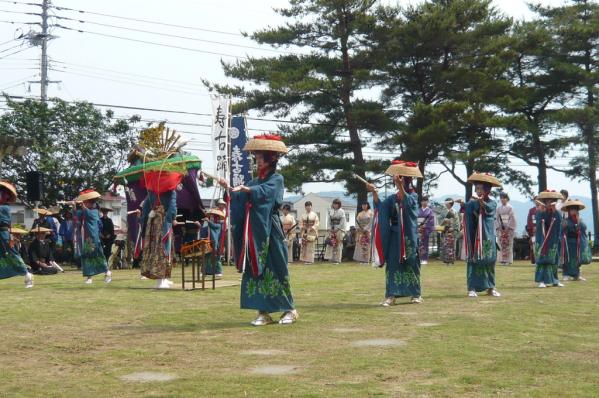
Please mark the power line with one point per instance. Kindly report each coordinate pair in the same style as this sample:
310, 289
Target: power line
147, 42
172, 35
81, 66
125, 82
20, 3
19, 12
147, 21
16, 52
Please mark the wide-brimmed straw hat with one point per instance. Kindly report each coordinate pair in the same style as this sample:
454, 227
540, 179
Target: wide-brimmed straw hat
42, 211
266, 142
106, 207
485, 178
18, 231
88, 194
404, 169
573, 203
549, 194
11, 190
38, 230
216, 212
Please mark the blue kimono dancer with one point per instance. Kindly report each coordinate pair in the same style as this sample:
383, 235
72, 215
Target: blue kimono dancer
547, 250
89, 248
402, 274
576, 250
212, 260
11, 263
265, 283
482, 252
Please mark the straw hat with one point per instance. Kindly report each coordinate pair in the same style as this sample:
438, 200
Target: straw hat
11, 190
221, 202
88, 194
271, 143
484, 177
404, 169
38, 230
18, 231
549, 194
216, 212
106, 207
573, 203
42, 211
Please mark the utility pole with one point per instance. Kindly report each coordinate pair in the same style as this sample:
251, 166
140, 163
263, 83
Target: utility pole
44, 74
41, 39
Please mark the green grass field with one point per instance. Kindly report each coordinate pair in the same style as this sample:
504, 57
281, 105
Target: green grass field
65, 339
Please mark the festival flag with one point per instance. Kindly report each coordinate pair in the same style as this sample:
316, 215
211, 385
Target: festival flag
240, 160
220, 136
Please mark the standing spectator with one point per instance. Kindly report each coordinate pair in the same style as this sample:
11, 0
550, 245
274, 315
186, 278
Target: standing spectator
107, 234
66, 234
289, 224
451, 227
560, 203
426, 225
531, 229
364, 221
505, 226
337, 221
309, 234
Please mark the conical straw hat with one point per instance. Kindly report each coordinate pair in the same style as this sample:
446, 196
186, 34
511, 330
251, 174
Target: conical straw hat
549, 194
573, 203
484, 177
11, 190
271, 143
88, 194
404, 169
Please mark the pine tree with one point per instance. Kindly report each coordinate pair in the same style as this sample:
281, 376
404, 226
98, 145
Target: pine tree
575, 29
318, 89
445, 63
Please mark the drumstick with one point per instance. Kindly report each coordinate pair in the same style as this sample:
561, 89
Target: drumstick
361, 179
213, 177
132, 212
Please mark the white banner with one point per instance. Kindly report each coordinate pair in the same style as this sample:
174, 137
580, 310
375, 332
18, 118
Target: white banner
220, 137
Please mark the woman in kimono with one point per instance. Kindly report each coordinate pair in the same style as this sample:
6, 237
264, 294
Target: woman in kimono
426, 225
364, 226
289, 225
575, 242
88, 247
309, 234
334, 246
397, 234
450, 224
505, 227
212, 231
11, 262
479, 236
549, 233
260, 246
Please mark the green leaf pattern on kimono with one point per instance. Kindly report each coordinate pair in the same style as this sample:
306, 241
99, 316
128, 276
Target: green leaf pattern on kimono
488, 248
268, 286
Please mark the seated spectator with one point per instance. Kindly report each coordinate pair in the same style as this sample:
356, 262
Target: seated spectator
17, 237
40, 254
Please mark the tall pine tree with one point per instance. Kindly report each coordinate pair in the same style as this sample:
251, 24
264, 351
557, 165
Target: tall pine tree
318, 88
575, 29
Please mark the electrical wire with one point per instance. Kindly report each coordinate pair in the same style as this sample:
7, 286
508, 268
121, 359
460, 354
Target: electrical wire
145, 21
148, 42
16, 52
172, 35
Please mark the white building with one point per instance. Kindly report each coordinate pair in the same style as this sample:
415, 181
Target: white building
321, 206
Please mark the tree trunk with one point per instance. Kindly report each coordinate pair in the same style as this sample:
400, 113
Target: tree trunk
468, 185
542, 164
346, 92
